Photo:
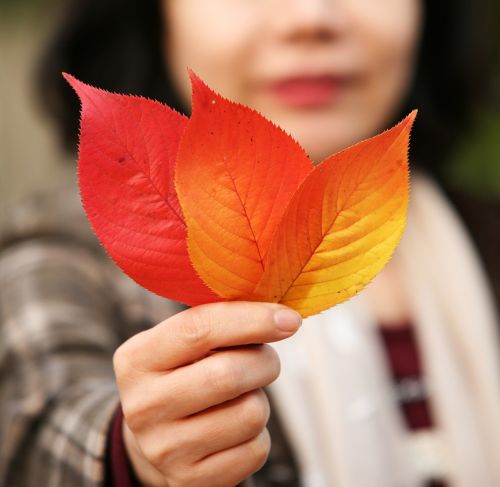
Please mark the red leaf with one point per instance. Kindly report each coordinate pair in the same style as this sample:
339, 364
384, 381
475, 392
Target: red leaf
127, 151
236, 173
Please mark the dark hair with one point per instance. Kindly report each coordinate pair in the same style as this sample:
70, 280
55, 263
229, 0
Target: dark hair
117, 45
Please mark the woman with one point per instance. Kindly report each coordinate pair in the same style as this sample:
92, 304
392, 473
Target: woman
330, 73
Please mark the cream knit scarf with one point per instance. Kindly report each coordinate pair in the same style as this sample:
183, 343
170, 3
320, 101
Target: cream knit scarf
334, 394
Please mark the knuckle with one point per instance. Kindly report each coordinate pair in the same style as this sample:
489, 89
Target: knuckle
138, 408
154, 454
256, 411
261, 447
127, 355
273, 363
196, 328
221, 374
163, 453
185, 477
133, 412
121, 360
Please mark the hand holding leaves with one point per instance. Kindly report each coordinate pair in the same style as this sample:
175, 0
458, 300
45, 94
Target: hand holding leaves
226, 205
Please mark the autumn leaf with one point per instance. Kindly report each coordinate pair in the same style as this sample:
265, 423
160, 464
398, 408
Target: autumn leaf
236, 173
126, 160
342, 226
249, 217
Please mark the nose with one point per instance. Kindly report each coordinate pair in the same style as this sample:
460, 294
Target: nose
311, 20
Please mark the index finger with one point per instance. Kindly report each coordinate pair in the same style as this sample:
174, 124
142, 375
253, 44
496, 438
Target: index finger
193, 333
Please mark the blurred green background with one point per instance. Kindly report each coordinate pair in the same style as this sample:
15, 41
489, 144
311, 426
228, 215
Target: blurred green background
30, 159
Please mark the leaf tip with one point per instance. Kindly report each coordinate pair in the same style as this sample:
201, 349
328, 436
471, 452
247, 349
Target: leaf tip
410, 119
72, 81
193, 77
404, 127
78, 86
202, 94
68, 77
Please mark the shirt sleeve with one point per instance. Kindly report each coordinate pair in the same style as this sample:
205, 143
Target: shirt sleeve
58, 331
120, 471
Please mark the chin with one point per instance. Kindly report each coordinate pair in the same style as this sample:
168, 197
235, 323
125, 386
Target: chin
320, 135
321, 144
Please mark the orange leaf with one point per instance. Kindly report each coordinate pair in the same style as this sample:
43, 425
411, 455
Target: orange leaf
342, 225
236, 172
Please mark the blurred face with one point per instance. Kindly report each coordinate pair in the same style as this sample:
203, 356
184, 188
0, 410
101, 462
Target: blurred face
330, 72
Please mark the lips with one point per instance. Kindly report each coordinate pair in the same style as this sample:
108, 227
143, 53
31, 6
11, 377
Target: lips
307, 91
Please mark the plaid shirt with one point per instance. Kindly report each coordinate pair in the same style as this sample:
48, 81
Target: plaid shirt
64, 308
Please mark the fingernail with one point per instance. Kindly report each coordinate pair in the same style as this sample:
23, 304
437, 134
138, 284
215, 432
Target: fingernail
287, 319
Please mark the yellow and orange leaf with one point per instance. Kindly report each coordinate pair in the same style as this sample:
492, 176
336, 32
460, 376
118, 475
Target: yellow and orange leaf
342, 225
236, 172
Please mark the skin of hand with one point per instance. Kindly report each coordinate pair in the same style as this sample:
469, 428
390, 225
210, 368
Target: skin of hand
191, 392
